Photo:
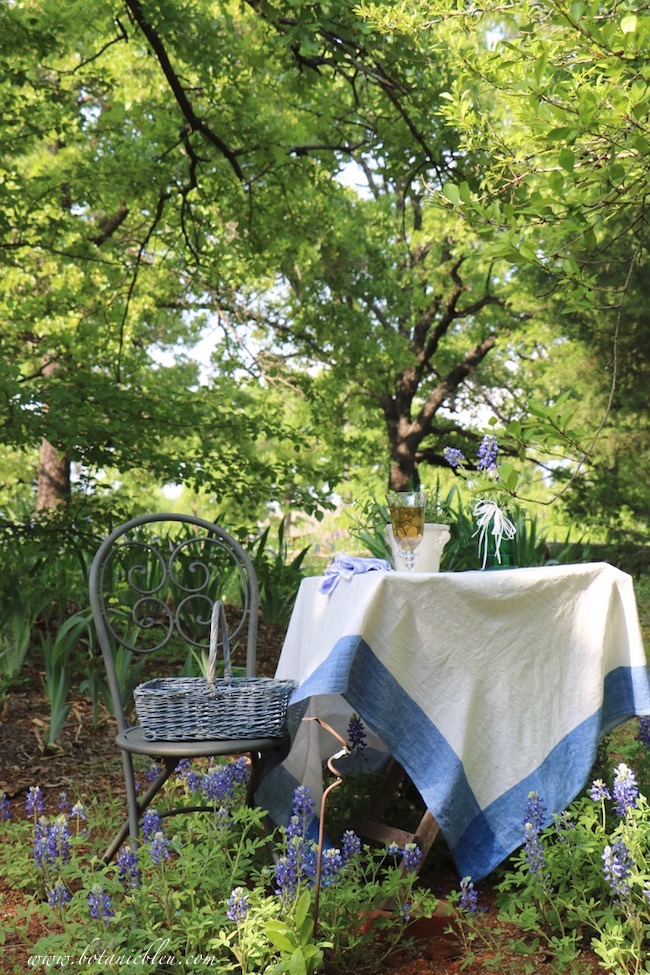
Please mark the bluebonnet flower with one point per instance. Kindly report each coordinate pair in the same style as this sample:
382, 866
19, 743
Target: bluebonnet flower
412, 857
453, 456
468, 896
534, 851
151, 824
296, 867
217, 784
646, 894
405, 912
78, 812
350, 845
299, 863
127, 862
5, 807
189, 776
152, 773
51, 842
34, 803
535, 811
626, 790
357, 735
159, 847
238, 905
303, 804
487, 454
617, 867
599, 791
533, 823
64, 802
101, 906
643, 734
239, 771
59, 895
303, 809
393, 850
331, 866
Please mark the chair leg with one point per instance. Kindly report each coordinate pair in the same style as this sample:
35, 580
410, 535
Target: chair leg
136, 807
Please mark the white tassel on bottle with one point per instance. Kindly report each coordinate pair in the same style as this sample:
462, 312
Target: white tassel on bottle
486, 513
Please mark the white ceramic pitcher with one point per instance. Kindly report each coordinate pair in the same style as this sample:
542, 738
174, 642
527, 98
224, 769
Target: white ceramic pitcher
428, 552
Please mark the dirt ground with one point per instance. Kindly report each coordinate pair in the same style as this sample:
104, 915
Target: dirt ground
85, 761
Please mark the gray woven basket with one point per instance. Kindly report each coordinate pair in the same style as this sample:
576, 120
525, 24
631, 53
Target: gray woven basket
190, 708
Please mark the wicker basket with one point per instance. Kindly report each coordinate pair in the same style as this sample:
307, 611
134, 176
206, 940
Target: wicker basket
190, 708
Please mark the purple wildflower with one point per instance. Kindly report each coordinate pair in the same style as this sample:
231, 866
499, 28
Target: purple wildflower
357, 735
151, 824
350, 844
240, 771
533, 823
296, 867
127, 862
78, 812
299, 863
331, 866
412, 857
34, 803
643, 734
405, 912
303, 804
617, 867
238, 905
453, 456
159, 847
59, 895
468, 896
101, 906
487, 454
189, 776
152, 773
5, 807
302, 812
51, 842
217, 785
599, 791
64, 802
626, 790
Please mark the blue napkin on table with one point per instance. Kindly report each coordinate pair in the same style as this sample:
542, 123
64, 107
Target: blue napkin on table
346, 566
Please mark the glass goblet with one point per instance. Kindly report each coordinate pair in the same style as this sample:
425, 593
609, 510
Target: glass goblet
407, 520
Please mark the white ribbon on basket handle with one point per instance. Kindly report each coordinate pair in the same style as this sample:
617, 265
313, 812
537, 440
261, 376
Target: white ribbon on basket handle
486, 512
219, 619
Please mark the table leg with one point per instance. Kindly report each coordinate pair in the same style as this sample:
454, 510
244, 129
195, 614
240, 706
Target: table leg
371, 825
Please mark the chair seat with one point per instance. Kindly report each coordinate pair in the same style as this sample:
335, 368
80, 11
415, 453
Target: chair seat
133, 741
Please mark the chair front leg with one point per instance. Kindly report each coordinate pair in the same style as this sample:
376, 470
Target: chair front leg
136, 807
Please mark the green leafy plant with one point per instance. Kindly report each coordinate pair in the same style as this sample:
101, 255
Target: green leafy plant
57, 653
587, 875
204, 896
15, 634
279, 575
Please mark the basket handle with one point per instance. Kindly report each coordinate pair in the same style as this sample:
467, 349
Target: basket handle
219, 619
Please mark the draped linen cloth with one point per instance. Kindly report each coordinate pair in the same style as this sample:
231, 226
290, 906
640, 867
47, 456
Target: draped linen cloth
485, 686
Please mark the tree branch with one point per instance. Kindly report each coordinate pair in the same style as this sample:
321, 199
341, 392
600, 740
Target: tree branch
197, 124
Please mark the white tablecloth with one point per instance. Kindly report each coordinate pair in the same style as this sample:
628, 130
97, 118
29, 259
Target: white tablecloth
483, 685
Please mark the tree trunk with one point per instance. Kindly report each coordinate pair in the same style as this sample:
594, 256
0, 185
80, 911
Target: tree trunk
53, 478
53, 487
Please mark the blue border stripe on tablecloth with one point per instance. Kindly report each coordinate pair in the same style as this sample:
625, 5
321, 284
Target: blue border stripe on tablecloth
478, 839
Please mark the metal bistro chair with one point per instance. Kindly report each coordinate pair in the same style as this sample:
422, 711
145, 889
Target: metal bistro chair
153, 583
